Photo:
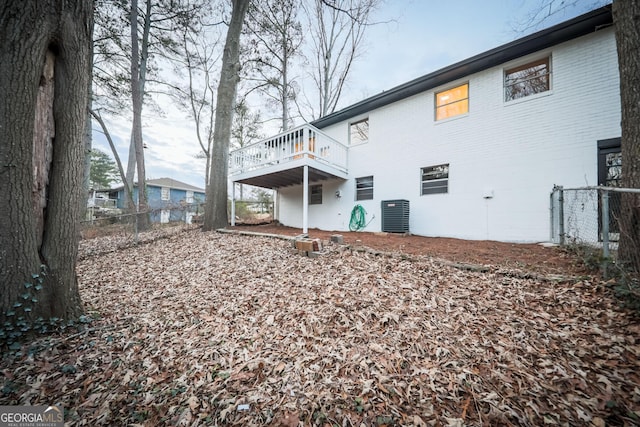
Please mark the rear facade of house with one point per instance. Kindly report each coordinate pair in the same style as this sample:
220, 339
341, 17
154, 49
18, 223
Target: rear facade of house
475, 148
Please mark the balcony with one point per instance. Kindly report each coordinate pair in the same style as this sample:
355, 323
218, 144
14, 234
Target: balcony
286, 158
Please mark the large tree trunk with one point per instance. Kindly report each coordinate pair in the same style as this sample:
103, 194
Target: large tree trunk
45, 68
215, 214
285, 85
626, 15
88, 140
138, 71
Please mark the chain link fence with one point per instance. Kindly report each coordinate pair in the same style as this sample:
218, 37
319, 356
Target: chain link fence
103, 219
587, 217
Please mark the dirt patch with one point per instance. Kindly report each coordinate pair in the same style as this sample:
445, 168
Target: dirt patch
529, 257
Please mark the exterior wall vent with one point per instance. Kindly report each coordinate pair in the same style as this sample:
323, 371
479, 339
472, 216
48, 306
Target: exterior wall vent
395, 216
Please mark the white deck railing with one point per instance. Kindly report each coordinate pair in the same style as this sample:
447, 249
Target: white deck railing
302, 142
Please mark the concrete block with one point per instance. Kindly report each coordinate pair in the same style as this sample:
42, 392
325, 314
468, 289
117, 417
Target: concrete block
337, 238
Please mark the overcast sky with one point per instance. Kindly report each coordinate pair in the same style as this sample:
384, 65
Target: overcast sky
416, 37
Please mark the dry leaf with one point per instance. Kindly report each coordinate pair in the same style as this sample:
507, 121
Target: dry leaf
190, 325
417, 422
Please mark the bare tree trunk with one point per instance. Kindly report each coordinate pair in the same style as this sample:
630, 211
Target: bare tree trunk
138, 70
337, 31
215, 215
285, 86
277, 37
127, 190
626, 14
88, 132
131, 174
201, 104
45, 69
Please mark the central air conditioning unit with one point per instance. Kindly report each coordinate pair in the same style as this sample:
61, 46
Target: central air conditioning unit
395, 216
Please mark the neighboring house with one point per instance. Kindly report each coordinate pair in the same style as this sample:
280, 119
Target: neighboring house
169, 200
475, 148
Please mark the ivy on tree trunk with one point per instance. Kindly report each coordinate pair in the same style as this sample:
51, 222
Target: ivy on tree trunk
45, 69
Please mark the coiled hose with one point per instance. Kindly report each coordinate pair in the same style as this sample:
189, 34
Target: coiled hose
358, 220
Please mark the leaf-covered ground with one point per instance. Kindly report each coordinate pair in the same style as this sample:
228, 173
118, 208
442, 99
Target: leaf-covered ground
216, 329
535, 258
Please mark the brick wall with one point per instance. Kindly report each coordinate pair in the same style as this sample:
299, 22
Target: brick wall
516, 151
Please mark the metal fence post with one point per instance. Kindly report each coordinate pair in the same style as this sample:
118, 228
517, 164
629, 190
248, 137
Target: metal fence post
605, 224
551, 228
561, 214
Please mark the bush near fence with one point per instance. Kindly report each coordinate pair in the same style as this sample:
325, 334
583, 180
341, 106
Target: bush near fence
251, 212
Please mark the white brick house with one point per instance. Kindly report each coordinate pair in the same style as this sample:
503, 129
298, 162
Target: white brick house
475, 147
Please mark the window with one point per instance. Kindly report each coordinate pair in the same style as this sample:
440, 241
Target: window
315, 194
435, 179
359, 132
189, 196
364, 188
164, 193
452, 102
165, 216
610, 175
527, 79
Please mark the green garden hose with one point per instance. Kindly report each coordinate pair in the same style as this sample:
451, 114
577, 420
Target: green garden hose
358, 220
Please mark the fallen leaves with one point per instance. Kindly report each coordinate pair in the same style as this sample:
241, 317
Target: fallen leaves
210, 329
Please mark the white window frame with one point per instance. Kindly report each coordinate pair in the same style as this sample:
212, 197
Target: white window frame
165, 193
318, 199
165, 216
518, 67
437, 107
437, 180
189, 197
352, 140
364, 188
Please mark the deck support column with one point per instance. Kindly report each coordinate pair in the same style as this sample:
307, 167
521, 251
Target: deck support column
233, 203
305, 199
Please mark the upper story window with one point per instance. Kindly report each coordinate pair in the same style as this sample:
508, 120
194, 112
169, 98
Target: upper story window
359, 132
315, 194
434, 179
364, 188
528, 79
165, 193
452, 102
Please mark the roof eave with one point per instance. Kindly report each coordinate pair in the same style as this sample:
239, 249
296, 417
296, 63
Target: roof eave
560, 33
